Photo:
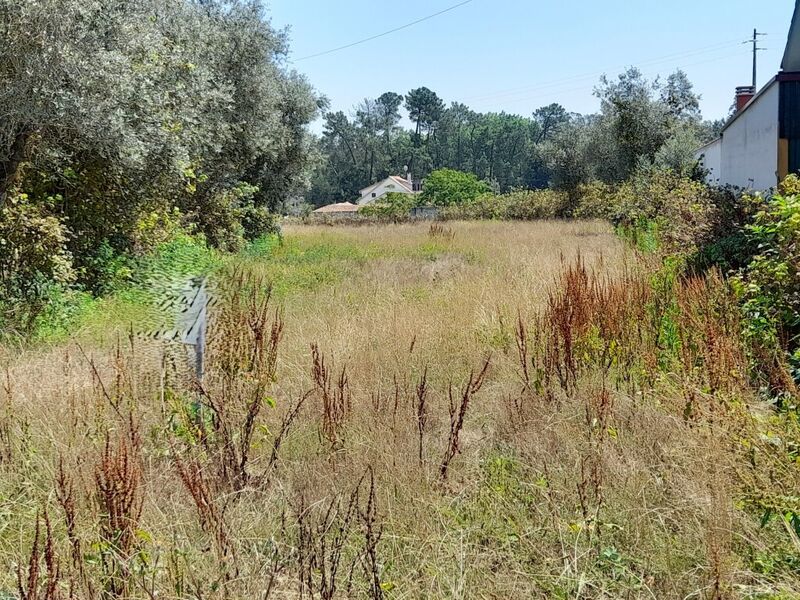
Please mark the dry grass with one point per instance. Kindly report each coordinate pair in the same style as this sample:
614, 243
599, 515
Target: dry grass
489, 410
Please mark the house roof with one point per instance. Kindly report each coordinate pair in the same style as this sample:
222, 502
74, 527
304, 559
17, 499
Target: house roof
340, 207
709, 144
790, 67
404, 183
791, 56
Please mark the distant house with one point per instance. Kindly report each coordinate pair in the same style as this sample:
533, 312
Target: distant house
760, 143
393, 183
339, 210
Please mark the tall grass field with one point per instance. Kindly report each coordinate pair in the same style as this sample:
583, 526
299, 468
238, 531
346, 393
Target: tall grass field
468, 410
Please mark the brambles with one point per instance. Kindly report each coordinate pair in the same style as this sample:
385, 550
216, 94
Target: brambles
769, 286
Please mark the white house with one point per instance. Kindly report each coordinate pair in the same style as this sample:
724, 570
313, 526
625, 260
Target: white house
391, 184
760, 143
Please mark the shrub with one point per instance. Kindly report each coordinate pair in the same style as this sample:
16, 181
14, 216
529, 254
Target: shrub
258, 221
486, 207
33, 258
446, 187
155, 228
393, 205
597, 200
527, 205
682, 213
770, 283
520, 205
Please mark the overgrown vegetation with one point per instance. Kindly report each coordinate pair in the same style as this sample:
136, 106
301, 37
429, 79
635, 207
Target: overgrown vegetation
125, 125
529, 431
522, 401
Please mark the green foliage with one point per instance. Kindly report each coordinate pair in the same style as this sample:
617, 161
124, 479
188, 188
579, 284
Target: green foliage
680, 212
393, 206
182, 107
258, 221
641, 123
520, 205
129, 127
503, 148
33, 259
770, 284
447, 187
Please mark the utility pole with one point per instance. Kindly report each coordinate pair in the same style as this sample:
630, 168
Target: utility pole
756, 50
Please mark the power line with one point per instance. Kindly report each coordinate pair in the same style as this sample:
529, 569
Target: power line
557, 82
560, 92
385, 33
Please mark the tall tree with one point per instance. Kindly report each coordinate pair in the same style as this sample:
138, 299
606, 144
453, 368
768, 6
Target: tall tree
425, 109
120, 109
680, 99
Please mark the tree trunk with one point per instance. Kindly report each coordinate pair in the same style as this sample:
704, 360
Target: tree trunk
458, 151
371, 165
11, 168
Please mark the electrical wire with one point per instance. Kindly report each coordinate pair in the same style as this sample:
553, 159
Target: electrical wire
561, 92
593, 75
385, 33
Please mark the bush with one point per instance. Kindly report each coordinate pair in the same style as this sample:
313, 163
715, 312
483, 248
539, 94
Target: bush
393, 206
521, 205
529, 205
597, 200
33, 259
682, 213
770, 284
258, 221
447, 187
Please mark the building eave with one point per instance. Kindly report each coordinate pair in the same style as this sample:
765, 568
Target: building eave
709, 144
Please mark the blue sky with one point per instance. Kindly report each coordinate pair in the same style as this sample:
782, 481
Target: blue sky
517, 55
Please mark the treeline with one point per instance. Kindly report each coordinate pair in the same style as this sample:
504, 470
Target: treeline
124, 121
126, 125
640, 122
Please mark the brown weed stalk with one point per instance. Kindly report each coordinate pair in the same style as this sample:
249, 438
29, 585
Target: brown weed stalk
458, 411
335, 399
421, 410
38, 585
242, 365
209, 513
119, 490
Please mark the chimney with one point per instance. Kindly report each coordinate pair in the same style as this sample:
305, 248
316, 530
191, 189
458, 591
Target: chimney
744, 94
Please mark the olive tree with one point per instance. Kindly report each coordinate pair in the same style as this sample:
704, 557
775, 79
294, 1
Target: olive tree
119, 109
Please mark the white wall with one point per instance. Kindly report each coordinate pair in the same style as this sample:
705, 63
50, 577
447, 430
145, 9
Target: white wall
710, 157
750, 144
383, 188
